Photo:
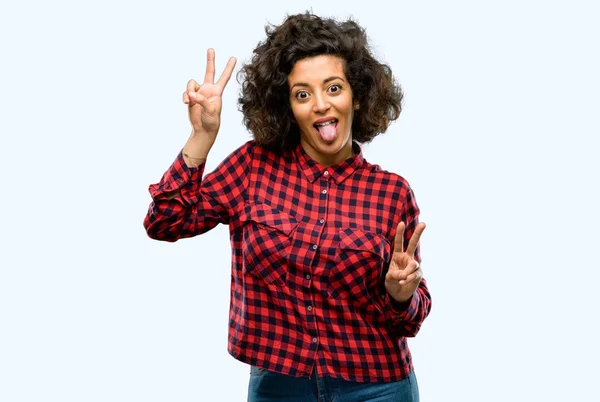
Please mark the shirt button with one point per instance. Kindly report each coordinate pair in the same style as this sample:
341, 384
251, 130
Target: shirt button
307, 276
309, 308
326, 173
314, 246
315, 340
324, 191
322, 221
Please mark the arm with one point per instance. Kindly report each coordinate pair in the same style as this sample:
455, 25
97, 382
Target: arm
405, 319
183, 205
407, 301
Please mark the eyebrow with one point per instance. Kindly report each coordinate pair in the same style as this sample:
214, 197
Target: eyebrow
325, 81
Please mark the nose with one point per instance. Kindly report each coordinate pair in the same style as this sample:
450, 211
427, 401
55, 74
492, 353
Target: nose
321, 104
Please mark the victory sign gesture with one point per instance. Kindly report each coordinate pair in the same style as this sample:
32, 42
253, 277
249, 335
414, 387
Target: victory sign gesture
204, 110
205, 100
404, 273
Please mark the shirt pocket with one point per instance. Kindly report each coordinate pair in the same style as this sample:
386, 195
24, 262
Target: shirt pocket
266, 242
359, 263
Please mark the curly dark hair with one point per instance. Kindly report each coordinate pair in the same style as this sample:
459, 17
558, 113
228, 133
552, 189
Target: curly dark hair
264, 99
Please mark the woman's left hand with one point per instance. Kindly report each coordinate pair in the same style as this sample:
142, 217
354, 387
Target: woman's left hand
404, 274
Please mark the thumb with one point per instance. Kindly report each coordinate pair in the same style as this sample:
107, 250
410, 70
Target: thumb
198, 99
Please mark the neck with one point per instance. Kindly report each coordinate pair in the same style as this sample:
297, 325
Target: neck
328, 159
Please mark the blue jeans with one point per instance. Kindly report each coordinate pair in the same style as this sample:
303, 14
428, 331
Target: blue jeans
266, 386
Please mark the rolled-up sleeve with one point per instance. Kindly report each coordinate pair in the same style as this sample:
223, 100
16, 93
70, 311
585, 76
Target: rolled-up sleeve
184, 204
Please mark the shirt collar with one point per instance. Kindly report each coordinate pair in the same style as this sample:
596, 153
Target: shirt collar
339, 172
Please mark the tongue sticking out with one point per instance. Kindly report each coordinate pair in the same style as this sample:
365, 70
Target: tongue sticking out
328, 132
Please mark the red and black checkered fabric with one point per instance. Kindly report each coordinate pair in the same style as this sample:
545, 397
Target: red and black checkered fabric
310, 248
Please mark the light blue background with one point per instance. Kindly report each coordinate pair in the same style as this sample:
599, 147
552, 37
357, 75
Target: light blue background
498, 138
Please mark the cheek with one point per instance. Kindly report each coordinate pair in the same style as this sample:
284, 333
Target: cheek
302, 116
347, 108
349, 117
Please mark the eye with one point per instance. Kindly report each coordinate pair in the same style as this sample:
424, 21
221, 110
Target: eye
335, 88
301, 95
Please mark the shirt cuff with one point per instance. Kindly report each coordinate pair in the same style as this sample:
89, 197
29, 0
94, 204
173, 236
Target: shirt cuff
179, 177
402, 311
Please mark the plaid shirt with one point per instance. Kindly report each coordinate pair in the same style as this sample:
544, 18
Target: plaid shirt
310, 249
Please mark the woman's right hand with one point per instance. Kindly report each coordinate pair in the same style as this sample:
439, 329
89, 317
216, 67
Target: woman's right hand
204, 101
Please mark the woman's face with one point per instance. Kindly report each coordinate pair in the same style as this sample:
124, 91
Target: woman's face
321, 101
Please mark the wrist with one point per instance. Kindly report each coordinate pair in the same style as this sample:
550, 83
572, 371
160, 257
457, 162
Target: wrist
401, 303
202, 135
191, 161
196, 149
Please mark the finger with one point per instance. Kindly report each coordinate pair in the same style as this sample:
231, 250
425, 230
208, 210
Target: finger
192, 86
209, 77
399, 239
412, 267
200, 99
414, 239
395, 276
403, 274
414, 277
226, 75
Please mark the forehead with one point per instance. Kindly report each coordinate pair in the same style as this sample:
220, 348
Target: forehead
316, 69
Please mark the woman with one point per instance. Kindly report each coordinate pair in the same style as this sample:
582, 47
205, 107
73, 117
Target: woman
326, 283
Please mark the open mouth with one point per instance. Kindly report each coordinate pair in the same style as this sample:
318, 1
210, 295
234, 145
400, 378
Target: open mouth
327, 130
327, 123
